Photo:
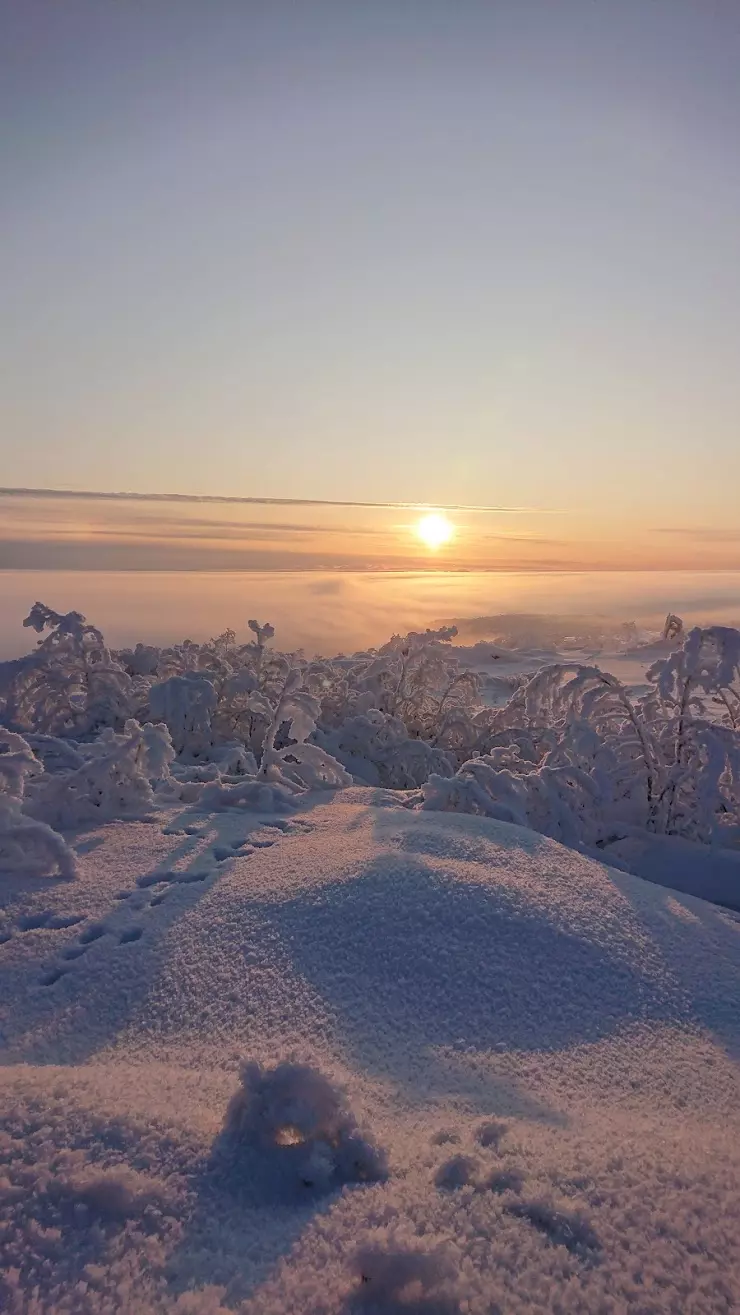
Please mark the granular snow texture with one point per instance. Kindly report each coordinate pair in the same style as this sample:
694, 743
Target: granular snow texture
361, 1060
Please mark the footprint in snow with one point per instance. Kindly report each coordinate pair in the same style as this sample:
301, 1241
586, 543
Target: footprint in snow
86, 938
92, 933
53, 975
163, 879
44, 920
238, 850
74, 952
130, 934
170, 878
559, 1227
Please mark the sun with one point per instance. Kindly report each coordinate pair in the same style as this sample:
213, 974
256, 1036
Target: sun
435, 530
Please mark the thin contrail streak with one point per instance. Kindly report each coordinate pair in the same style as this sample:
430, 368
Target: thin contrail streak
264, 502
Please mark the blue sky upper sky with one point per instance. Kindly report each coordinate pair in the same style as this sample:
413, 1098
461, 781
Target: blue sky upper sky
474, 252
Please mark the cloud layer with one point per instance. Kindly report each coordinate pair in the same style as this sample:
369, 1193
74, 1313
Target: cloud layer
45, 529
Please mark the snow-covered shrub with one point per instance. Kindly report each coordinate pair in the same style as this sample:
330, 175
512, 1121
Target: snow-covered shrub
185, 704
70, 684
253, 796
299, 764
263, 634
563, 802
57, 755
301, 1121
694, 714
378, 750
140, 661
706, 667
673, 627
571, 753
115, 781
26, 846
458, 1171
417, 679
574, 756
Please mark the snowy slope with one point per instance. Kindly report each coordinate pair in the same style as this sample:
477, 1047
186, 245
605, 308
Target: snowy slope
545, 1052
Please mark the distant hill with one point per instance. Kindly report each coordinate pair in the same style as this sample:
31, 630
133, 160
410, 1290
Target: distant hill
534, 629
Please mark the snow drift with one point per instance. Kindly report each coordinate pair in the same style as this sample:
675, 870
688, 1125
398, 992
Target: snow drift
200, 1029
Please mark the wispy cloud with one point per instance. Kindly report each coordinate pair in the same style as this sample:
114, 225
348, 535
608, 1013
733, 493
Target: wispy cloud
47, 529
102, 553
700, 534
259, 502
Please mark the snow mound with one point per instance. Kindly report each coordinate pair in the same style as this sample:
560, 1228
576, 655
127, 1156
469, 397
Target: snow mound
545, 1049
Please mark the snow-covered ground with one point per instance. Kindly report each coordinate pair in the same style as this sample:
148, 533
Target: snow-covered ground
538, 1057
501, 668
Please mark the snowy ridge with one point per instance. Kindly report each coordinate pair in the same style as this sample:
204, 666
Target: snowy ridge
514, 1080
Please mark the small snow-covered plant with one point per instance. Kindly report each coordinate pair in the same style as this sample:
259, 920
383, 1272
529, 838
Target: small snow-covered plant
70, 684
378, 750
56, 755
301, 1121
116, 780
672, 627
253, 667
249, 796
418, 680
562, 694
694, 711
299, 764
186, 705
563, 802
334, 685
706, 669
140, 661
575, 756
568, 756
263, 635
26, 846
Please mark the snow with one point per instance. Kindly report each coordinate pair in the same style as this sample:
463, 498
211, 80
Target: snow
357, 1058
711, 873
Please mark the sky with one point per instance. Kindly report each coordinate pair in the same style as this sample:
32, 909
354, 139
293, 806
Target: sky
462, 254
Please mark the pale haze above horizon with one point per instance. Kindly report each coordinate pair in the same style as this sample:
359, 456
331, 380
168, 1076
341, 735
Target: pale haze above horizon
474, 255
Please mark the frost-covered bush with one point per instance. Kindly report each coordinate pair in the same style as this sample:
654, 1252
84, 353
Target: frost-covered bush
115, 781
70, 684
416, 678
140, 661
574, 756
694, 716
293, 1115
568, 750
261, 701
673, 627
26, 846
185, 704
250, 795
378, 750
